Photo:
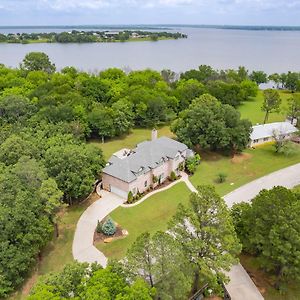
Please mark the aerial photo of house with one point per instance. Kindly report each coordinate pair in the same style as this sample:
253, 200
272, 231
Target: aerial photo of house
265, 133
149, 164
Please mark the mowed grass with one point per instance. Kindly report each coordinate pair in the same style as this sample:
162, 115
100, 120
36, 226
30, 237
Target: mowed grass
252, 164
151, 215
129, 141
252, 109
155, 212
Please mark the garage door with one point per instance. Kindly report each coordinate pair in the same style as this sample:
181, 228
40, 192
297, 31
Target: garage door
118, 192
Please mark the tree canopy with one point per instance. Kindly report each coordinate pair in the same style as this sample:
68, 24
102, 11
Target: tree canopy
269, 227
212, 125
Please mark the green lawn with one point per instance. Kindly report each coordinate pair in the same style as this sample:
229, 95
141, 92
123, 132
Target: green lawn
253, 164
265, 281
154, 213
151, 215
129, 141
252, 109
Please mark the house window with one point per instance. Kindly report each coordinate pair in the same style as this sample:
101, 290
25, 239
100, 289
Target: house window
255, 141
266, 139
146, 183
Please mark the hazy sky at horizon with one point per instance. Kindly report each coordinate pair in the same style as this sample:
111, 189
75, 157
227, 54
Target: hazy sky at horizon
72, 12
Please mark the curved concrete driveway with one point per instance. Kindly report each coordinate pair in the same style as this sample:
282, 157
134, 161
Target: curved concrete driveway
83, 244
240, 286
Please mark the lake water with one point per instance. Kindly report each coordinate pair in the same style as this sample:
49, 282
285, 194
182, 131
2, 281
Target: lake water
271, 51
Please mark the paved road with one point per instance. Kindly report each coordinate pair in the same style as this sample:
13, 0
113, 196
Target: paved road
288, 177
83, 248
241, 285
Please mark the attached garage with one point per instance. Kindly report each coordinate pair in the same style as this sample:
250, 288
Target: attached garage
119, 192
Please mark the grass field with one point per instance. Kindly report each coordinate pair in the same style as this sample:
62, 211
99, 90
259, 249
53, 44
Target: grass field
252, 109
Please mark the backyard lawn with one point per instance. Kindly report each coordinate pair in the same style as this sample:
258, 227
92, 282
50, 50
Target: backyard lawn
252, 109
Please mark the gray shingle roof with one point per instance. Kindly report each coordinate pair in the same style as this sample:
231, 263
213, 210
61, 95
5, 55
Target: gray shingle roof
267, 130
147, 155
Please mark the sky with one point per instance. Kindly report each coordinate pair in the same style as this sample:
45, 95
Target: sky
88, 12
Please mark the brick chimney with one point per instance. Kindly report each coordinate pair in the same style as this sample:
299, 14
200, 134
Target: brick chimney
154, 134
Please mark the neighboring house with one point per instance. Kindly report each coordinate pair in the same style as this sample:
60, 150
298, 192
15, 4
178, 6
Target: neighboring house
265, 133
149, 164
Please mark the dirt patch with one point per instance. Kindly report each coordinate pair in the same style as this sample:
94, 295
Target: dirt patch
102, 238
239, 158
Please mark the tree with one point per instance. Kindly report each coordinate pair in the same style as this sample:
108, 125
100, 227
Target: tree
108, 227
168, 76
294, 107
160, 262
269, 227
192, 163
211, 125
291, 82
206, 235
75, 168
25, 220
259, 77
272, 102
188, 90
37, 61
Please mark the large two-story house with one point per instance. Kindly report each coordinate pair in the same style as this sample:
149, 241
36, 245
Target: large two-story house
149, 164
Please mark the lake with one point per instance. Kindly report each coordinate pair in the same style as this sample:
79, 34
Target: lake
271, 51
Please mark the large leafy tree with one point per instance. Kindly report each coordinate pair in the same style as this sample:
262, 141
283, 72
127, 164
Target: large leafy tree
212, 125
272, 102
160, 261
38, 61
75, 168
269, 227
294, 106
205, 233
81, 281
25, 219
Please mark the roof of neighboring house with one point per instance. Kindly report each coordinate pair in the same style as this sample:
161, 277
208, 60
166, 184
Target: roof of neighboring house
268, 130
147, 155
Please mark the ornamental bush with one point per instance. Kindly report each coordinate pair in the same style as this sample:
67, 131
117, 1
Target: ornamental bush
221, 177
130, 197
99, 227
173, 176
109, 227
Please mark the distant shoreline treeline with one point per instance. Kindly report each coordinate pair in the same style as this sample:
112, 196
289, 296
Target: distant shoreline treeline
157, 27
82, 36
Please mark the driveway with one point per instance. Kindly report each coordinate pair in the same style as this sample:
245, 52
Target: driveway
83, 248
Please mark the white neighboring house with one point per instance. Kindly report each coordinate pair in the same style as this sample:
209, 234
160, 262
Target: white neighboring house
265, 133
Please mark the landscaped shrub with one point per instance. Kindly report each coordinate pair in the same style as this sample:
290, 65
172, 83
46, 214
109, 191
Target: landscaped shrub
155, 179
173, 176
99, 227
192, 163
109, 227
221, 177
181, 166
130, 197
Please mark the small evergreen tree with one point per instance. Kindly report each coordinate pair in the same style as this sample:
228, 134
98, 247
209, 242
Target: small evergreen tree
99, 227
130, 197
109, 227
173, 176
